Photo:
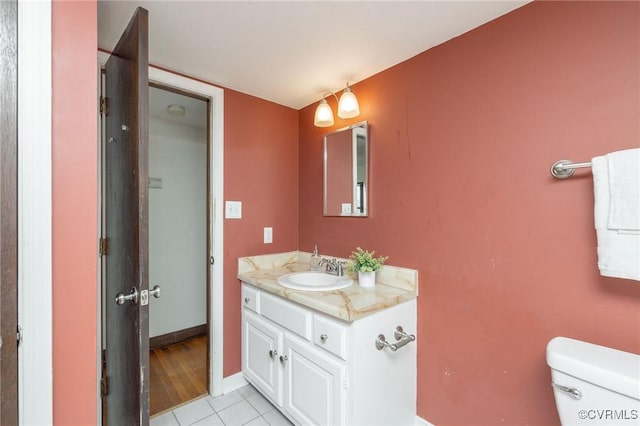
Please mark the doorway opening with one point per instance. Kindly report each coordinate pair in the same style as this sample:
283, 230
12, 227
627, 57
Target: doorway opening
178, 247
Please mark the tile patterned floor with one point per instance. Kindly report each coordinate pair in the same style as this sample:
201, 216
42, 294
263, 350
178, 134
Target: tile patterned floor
242, 407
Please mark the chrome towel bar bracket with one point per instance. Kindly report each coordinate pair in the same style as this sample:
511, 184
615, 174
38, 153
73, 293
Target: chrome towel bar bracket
563, 169
401, 337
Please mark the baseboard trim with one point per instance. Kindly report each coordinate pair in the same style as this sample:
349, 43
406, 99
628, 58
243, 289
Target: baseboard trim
177, 336
422, 422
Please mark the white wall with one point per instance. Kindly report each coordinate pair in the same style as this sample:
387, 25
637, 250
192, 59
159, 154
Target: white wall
177, 226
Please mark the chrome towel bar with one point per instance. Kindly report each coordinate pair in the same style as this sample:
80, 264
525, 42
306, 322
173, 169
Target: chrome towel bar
563, 169
401, 337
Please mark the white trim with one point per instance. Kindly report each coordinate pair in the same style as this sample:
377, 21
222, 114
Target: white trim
216, 99
422, 422
35, 368
233, 382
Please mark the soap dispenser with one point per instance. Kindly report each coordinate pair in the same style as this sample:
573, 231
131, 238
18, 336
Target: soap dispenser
314, 262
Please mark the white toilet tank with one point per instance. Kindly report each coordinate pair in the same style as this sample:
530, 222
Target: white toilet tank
594, 385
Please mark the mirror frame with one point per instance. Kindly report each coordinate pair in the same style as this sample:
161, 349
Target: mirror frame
363, 191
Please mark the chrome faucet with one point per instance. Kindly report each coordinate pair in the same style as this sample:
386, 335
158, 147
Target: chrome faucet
333, 266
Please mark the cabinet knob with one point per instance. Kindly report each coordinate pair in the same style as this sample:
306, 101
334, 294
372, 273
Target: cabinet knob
283, 359
247, 300
273, 354
323, 337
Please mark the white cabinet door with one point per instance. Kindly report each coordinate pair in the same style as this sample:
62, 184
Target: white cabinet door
262, 344
313, 385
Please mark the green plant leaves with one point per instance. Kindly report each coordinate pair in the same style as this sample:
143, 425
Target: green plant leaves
364, 261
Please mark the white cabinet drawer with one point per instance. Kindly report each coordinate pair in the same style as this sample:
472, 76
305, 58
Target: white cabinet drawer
330, 335
291, 317
251, 298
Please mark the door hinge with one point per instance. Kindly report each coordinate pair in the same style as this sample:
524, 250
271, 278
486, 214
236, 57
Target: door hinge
345, 383
104, 381
103, 247
19, 335
104, 386
104, 105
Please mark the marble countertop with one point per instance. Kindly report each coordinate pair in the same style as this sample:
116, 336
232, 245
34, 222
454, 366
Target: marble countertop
393, 286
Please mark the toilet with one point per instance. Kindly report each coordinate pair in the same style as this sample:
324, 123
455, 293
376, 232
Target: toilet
594, 385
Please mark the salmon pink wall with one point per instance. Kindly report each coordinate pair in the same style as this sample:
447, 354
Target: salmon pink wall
75, 219
462, 139
261, 170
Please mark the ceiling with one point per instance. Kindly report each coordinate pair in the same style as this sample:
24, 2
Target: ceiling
291, 52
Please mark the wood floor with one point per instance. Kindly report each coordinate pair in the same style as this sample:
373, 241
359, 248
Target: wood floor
178, 374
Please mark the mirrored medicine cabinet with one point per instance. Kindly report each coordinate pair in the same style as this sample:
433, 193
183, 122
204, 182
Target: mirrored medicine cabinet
346, 171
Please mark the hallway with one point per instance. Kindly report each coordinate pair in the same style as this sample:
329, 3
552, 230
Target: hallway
178, 374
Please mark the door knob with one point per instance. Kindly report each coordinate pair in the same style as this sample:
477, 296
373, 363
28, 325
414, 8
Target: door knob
132, 297
155, 292
283, 359
273, 354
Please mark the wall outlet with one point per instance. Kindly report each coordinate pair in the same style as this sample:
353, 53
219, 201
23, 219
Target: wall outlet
268, 235
155, 182
346, 208
233, 210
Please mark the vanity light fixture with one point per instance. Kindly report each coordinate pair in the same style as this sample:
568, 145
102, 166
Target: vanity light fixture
324, 114
347, 108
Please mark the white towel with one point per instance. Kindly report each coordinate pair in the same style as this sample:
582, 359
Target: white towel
616, 187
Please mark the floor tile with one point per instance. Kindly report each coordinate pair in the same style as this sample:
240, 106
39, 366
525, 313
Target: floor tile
260, 403
245, 406
247, 391
258, 421
221, 402
213, 420
276, 418
194, 411
166, 419
238, 414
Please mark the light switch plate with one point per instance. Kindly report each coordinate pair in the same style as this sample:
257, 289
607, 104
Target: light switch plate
155, 182
233, 210
268, 235
346, 208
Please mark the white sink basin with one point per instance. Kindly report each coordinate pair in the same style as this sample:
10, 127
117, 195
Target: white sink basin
314, 281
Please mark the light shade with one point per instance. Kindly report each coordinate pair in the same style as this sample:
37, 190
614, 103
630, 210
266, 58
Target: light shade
348, 106
324, 114
175, 109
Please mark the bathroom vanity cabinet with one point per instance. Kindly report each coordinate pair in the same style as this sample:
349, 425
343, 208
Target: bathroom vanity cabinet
320, 370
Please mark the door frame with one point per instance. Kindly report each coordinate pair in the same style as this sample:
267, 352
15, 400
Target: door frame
215, 95
35, 364
9, 212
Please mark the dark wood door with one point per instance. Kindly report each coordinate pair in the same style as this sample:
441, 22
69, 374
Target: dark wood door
126, 201
8, 213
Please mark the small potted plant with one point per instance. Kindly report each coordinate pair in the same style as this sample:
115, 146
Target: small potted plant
365, 264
